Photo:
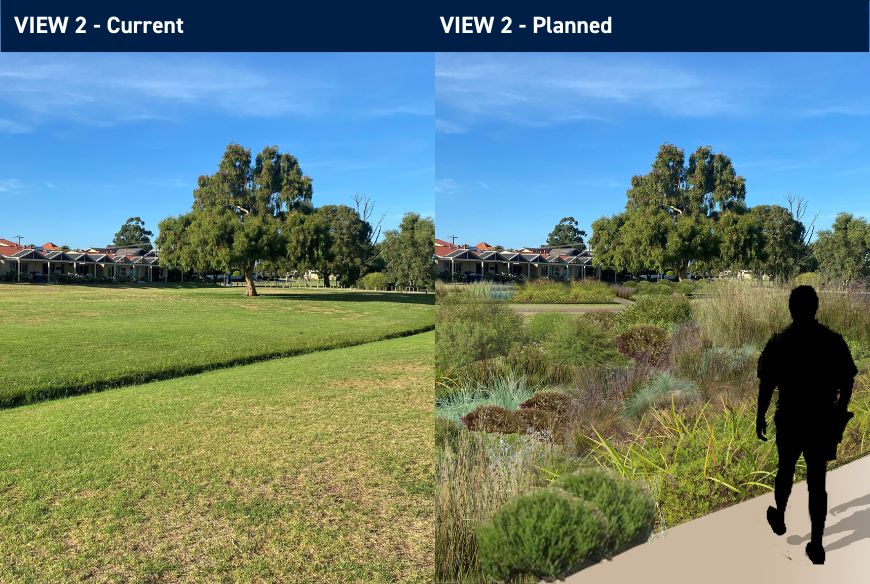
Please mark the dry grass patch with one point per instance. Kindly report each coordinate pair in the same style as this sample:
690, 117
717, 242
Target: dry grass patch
315, 468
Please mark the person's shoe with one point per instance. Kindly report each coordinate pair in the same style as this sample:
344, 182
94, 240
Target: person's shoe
776, 520
816, 553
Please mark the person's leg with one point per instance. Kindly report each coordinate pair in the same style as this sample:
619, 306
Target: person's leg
816, 474
788, 457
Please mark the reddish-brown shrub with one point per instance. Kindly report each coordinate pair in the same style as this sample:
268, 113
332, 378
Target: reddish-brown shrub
646, 344
536, 420
559, 404
494, 419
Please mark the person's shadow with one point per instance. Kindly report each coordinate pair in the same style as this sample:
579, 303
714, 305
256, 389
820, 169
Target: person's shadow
855, 522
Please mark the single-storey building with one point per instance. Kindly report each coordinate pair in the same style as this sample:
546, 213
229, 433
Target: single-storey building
50, 261
484, 260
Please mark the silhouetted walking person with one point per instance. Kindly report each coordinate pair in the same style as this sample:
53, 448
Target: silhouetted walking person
813, 370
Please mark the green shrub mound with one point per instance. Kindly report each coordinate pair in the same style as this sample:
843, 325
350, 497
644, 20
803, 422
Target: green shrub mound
646, 344
807, 279
374, 281
549, 292
628, 505
662, 287
559, 404
579, 342
663, 311
531, 361
540, 326
469, 331
605, 319
494, 419
547, 533
662, 390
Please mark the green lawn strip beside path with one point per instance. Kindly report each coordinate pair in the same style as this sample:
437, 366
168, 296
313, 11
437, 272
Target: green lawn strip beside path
63, 340
316, 468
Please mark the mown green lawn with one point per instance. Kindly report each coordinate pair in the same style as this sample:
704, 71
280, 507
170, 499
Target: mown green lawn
62, 340
314, 468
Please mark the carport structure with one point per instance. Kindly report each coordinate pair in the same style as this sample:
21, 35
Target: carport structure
532, 265
56, 263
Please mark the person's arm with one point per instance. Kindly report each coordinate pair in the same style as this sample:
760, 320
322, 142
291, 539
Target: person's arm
845, 394
847, 374
765, 394
766, 385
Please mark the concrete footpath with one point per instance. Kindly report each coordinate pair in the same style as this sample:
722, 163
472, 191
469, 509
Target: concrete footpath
737, 545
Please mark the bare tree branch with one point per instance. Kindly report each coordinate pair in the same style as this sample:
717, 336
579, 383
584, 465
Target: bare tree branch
365, 208
797, 206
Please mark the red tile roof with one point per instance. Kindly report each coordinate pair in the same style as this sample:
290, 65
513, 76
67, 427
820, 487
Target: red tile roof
8, 248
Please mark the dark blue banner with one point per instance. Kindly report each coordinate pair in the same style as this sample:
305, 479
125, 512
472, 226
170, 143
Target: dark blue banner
591, 25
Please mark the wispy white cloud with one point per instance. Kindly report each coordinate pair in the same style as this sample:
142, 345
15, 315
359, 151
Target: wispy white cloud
446, 185
447, 127
105, 90
854, 170
843, 109
418, 171
543, 90
10, 185
406, 109
13, 127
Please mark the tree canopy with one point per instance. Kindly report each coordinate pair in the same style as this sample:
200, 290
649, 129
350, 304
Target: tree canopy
782, 244
241, 215
692, 215
567, 233
843, 252
350, 244
133, 234
407, 252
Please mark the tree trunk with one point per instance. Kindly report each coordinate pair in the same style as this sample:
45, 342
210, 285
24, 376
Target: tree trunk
250, 287
325, 278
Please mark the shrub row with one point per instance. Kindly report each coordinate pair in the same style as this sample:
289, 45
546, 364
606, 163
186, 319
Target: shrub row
374, 281
543, 412
549, 292
662, 311
551, 532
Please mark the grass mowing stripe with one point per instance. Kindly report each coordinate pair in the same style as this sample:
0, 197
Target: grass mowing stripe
62, 340
63, 392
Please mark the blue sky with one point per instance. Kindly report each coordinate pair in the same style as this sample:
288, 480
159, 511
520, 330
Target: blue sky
87, 140
525, 139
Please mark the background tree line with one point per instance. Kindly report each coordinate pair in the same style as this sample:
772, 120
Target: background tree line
690, 215
255, 214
